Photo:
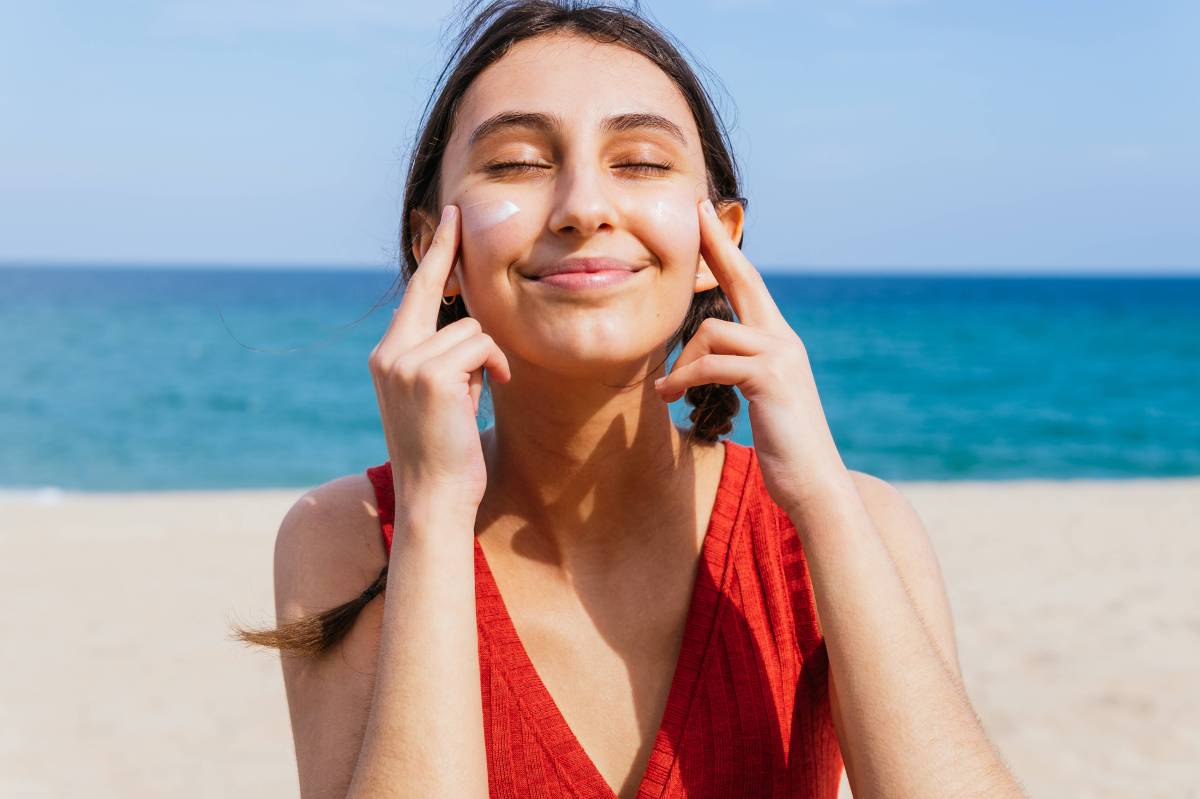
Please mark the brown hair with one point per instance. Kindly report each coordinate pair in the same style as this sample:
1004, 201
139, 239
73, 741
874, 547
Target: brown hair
488, 35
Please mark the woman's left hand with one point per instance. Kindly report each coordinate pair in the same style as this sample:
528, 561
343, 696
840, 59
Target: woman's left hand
765, 358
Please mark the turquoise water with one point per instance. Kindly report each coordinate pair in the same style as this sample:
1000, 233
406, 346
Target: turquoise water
146, 379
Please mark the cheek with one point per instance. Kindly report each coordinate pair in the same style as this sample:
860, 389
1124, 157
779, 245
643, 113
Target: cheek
669, 227
493, 232
478, 218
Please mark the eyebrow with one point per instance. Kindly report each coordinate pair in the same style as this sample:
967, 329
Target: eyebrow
552, 123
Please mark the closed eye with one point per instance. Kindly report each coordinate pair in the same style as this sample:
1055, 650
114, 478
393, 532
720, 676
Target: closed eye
525, 166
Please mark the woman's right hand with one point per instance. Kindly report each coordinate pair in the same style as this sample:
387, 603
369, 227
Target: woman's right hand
428, 383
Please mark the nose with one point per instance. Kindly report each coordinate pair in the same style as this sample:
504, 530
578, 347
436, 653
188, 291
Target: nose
583, 205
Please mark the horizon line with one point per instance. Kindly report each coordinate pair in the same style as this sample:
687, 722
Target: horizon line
1025, 270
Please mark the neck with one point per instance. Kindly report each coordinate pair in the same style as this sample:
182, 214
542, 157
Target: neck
580, 470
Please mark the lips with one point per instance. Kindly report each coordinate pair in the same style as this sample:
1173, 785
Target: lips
584, 264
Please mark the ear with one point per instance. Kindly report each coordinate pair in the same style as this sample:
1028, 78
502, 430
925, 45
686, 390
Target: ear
423, 227
732, 216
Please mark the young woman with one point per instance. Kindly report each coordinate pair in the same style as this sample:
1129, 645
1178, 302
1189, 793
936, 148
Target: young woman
586, 600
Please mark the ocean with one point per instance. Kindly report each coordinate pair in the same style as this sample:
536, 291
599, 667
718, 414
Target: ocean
150, 379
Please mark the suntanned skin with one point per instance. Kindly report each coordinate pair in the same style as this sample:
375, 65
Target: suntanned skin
330, 547
622, 657
594, 505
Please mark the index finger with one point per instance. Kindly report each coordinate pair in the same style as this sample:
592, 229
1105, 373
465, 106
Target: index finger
740, 280
418, 311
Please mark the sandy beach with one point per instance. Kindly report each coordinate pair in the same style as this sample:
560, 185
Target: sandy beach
1076, 604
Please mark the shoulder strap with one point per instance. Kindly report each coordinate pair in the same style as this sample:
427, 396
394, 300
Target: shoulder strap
385, 500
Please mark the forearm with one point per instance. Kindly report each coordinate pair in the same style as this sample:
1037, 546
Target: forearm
907, 726
424, 733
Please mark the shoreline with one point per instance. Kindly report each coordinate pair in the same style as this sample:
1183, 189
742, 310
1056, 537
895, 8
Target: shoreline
53, 494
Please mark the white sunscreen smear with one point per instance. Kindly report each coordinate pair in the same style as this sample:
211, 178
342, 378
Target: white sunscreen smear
663, 211
673, 216
481, 216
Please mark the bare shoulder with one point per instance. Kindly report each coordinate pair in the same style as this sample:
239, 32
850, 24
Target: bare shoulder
881, 497
328, 542
328, 549
907, 540
894, 515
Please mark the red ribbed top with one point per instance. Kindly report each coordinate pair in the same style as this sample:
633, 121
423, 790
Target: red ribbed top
747, 713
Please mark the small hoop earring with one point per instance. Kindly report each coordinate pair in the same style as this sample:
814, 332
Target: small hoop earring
451, 299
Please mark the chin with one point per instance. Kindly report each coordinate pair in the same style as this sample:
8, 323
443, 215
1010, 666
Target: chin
618, 339
616, 358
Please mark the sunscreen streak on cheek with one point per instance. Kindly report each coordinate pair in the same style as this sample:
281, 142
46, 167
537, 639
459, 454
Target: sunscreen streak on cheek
491, 234
483, 216
676, 227
674, 219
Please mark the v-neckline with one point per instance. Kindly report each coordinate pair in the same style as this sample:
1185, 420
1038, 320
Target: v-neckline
510, 657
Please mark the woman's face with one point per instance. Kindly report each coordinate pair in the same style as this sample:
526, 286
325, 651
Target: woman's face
611, 167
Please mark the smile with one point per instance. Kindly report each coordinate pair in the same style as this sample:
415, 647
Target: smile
582, 281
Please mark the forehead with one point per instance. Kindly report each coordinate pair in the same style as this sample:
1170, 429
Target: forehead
576, 78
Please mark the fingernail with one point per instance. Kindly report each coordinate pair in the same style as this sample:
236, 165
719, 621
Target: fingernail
707, 207
447, 213
659, 382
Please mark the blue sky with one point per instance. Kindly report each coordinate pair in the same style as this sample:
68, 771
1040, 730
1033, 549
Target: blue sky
881, 134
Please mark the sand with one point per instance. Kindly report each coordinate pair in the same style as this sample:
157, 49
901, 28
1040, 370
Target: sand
1076, 606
